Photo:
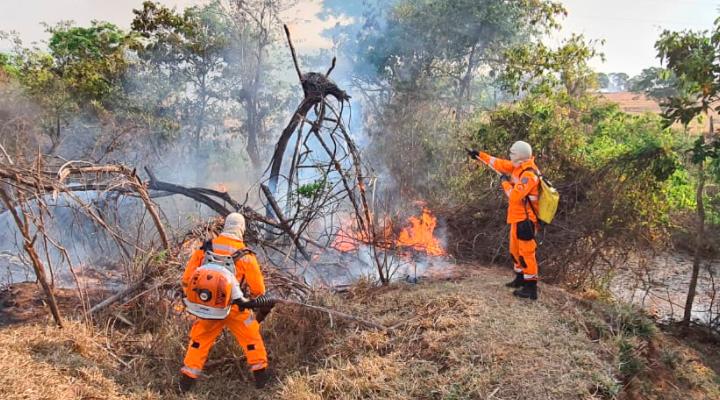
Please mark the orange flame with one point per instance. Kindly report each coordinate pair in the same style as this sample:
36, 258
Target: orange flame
419, 236
221, 187
348, 239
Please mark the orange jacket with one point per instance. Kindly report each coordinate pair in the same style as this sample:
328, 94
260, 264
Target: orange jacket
247, 268
522, 185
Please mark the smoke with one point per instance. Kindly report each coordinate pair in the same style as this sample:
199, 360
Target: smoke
191, 126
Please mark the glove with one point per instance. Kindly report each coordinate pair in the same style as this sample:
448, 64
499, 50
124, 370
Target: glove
504, 178
262, 313
472, 153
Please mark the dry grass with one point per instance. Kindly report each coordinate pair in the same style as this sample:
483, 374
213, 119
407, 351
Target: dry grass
468, 339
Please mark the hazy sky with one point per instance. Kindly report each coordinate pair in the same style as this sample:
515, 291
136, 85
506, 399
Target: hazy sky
629, 27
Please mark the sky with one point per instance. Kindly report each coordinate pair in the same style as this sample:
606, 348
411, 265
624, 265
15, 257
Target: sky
629, 27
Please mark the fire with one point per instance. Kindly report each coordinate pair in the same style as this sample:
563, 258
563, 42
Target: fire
419, 236
347, 239
221, 187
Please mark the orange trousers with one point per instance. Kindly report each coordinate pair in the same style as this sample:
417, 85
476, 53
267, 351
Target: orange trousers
523, 254
204, 332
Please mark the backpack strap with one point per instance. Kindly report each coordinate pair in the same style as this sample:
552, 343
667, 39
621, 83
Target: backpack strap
238, 255
526, 200
241, 253
207, 245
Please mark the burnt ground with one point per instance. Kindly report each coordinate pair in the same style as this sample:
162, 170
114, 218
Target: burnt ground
25, 303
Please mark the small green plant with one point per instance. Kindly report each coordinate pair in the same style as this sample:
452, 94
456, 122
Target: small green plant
628, 320
630, 360
311, 190
159, 257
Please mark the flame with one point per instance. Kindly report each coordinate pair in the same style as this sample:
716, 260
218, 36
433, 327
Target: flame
419, 236
348, 239
221, 187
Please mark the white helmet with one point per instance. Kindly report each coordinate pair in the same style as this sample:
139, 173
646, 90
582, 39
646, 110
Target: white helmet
235, 225
520, 151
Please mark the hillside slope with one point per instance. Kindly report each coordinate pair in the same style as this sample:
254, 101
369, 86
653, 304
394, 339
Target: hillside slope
462, 339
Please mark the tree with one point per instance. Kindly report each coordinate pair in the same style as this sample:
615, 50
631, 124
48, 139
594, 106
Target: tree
253, 35
210, 64
437, 47
603, 80
694, 58
92, 60
81, 73
186, 52
619, 81
538, 68
657, 83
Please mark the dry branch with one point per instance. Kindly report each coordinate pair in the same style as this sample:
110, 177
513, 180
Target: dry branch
117, 297
336, 313
29, 246
285, 225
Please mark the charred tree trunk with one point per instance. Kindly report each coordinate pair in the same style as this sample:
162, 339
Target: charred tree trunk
282, 143
315, 88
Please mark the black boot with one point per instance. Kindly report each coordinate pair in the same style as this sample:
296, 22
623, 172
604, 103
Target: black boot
528, 290
518, 282
186, 383
261, 378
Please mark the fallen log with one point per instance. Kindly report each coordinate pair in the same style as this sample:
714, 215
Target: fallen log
116, 297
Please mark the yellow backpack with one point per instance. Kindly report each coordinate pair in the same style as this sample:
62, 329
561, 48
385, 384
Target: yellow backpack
548, 200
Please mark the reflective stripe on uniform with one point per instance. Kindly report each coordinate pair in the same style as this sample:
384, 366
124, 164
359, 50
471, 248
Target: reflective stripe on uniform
191, 372
224, 247
529, 277
256, 367
533, 198
492, 161
250, 319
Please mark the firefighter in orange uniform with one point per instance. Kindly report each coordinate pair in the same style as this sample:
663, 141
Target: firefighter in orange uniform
520, 182
242, 323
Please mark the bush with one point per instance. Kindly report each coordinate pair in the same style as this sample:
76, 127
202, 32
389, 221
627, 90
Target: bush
615, 173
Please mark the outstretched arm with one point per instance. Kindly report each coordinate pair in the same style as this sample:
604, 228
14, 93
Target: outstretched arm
498, 164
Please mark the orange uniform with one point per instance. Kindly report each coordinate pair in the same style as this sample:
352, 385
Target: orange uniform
242, 324
522, 191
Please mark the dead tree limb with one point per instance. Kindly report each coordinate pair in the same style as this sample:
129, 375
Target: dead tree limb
332, 67
117, 297
29, 246
315, 87
292, 51
156, 184
150, 206
285, 225
334, 312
